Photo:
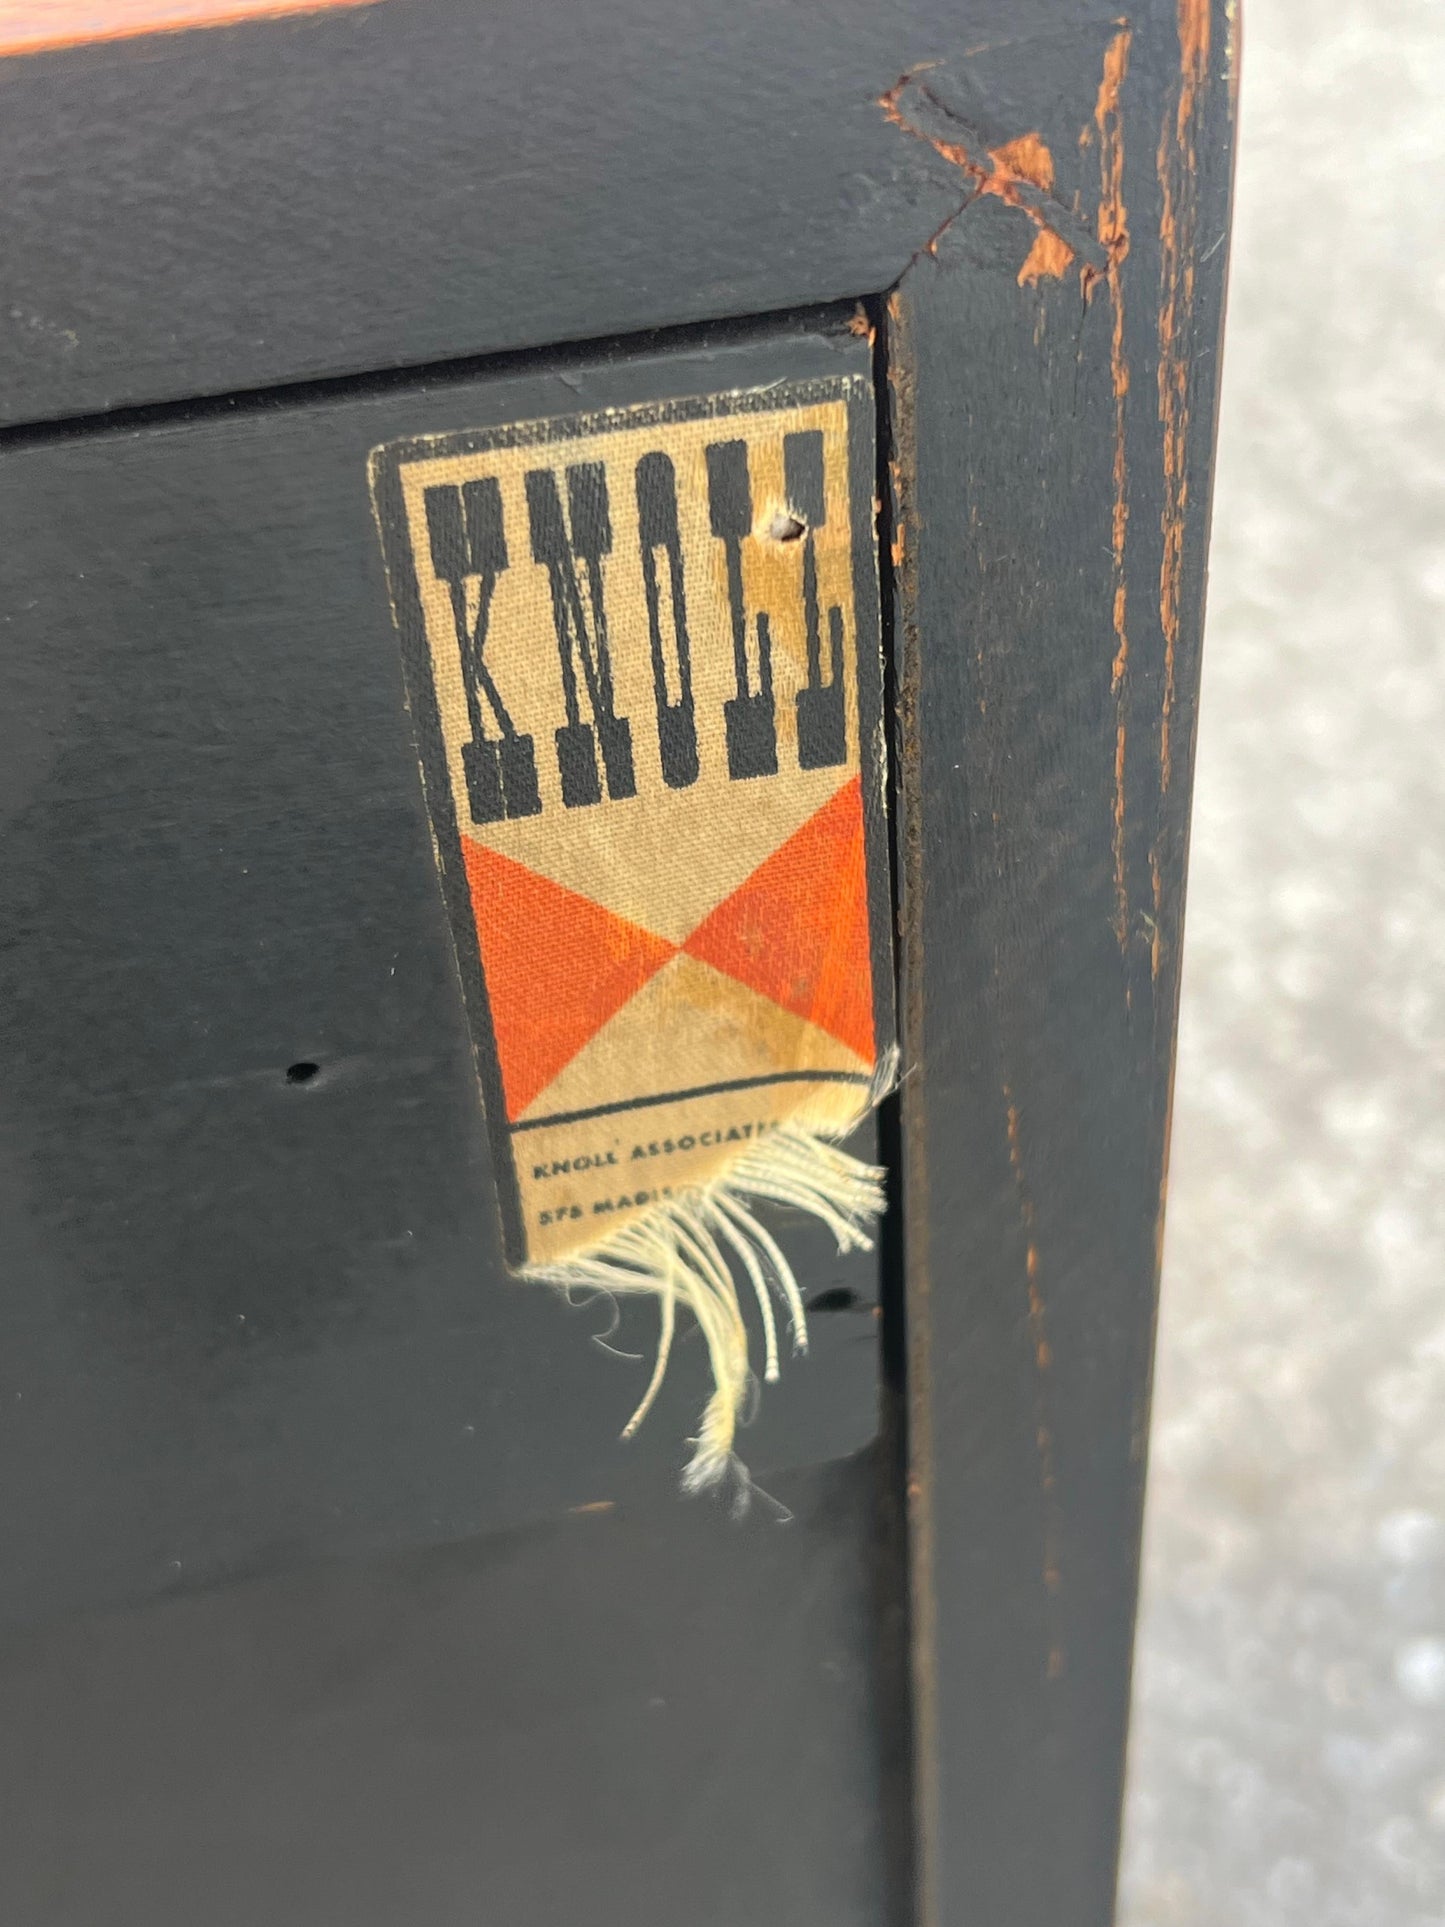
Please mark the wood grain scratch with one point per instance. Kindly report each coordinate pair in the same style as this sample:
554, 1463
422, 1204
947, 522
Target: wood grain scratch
1178, 168
1108, 129
1019, 172
1043, 1363
1048, 258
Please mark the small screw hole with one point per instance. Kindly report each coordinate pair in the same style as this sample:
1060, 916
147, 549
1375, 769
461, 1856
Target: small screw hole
786, 527
838, 1299
301, 1073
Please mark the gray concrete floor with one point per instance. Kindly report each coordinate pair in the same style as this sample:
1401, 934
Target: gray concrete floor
1288, 1755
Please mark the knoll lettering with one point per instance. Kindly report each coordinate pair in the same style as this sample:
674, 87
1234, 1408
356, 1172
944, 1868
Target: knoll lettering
469, 546
580, 622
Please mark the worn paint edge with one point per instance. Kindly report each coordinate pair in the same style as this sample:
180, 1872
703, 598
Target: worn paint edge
922, 1539
44, 26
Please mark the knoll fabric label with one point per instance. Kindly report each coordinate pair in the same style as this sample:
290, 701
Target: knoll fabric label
642, 655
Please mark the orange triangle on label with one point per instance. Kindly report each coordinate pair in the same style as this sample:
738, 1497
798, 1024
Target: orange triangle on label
557, 965
797, 929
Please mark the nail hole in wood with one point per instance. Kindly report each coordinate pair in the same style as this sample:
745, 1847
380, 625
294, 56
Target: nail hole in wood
838, 1298
786, 527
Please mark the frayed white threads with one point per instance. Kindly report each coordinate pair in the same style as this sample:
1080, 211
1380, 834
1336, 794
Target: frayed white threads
679, 1254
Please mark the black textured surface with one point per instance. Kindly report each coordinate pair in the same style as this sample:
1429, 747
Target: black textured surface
648, 1714
422, 179
249, 1320
1046, 775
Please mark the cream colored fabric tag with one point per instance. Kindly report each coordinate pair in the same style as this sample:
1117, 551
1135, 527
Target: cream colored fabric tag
642, 653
